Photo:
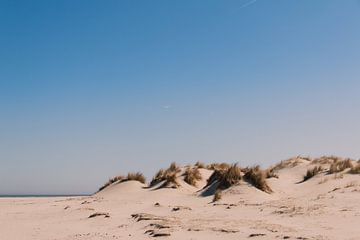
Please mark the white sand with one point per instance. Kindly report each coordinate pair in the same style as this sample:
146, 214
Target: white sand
309, 210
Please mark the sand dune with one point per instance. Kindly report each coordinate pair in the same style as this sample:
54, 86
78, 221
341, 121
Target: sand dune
326, 206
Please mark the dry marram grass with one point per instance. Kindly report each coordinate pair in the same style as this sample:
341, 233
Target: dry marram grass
192, 175
130, 177
326, 160
257, 177
170, 181
135, 177
225, 177
289, 163
217, 196
174, 167
218, 166
270, 173
111, 181
340, 165
312, 172
168, 177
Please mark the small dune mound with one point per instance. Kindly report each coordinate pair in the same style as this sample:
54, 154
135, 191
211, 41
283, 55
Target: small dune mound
138, 176
257, 177
192, 175
123, 190
312, 172
111, 181
167, 177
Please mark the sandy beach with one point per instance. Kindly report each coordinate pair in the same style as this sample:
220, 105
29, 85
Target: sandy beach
325, 206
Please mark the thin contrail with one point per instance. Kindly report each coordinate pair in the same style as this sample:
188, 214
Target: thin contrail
248, 4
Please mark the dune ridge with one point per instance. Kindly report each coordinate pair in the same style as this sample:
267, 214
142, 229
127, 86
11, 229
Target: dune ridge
298, 198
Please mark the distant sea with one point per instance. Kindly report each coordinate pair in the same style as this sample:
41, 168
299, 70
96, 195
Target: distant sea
30, 195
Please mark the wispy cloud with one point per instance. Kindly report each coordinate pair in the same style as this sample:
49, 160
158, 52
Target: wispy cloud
166, 107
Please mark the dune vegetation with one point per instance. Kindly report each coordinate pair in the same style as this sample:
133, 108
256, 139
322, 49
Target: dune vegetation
168, 177
257, 178
340, 165
200, 165
111, 181
225, 175
312, 172
192, 175
217, 196
138, 176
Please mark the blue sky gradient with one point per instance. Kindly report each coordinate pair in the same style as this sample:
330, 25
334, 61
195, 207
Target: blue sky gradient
91, 89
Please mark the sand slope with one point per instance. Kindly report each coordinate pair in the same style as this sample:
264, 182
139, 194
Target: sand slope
326, 206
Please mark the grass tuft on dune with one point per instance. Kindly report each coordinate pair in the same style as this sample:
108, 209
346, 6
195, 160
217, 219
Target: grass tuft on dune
138, 176
257, 178
168, 177
312, 172
192, 175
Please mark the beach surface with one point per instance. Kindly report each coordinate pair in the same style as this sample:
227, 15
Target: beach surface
326, 206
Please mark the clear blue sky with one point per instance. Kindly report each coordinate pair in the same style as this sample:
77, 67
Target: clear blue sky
91, 89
